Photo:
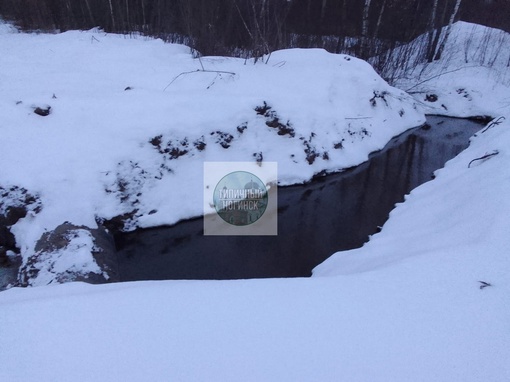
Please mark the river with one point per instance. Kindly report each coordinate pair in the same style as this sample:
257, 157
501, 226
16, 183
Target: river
332, 213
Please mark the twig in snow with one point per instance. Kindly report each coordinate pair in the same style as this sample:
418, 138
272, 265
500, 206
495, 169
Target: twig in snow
495, 152
198, 71
268, 57
493, 123
484, 284
201, 64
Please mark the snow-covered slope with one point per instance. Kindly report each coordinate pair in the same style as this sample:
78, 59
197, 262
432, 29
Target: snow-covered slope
472, 78
447, 246
371, 327
132, 121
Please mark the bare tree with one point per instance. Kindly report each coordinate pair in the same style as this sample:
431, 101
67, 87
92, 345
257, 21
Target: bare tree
90, 13
437, 33
448, 30
127, 16
111, 14
323, 10
364, 26
379, 19
364, 29
432, 31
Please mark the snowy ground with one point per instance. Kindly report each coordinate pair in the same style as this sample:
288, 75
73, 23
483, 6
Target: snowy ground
408, 306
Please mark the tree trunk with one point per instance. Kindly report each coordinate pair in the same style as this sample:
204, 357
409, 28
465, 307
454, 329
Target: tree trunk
364, 26
90, 13
343, 27
432, 31
344, 17
448, 30
144, 22
379, 19
437, 33
364, 30
128, 29
111, 15
323, 10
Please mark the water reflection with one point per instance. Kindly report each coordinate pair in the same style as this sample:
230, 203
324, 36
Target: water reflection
333, 213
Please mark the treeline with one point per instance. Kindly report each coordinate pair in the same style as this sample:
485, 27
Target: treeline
255, 27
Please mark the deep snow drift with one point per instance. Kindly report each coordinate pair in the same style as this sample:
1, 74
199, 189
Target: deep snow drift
408, 306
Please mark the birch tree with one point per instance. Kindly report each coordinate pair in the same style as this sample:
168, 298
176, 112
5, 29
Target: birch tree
432, 31
111, 14
448, 30
379, 19
323, 10
364, 26
364, 29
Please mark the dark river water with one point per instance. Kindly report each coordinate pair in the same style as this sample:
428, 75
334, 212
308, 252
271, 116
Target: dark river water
333, 213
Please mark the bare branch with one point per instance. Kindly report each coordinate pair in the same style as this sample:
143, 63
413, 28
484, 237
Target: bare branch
486, 156
441, 74
198, 71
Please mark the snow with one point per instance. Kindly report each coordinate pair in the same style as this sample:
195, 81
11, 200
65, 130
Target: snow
75, 258
117, 103
472, 78
375, 326
409, 305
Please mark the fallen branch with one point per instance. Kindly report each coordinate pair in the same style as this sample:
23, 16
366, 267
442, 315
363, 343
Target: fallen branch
493, 123
198, 71
495, 152
484, 284
279, 64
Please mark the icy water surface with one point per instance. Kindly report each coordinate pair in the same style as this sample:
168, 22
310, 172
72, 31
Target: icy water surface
333, 213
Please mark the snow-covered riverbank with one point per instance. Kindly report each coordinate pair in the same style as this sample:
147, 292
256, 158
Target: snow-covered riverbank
131, 122
464, 212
